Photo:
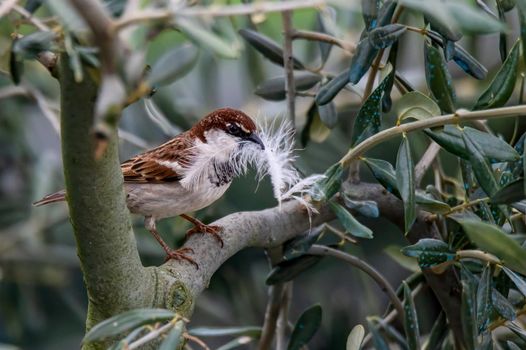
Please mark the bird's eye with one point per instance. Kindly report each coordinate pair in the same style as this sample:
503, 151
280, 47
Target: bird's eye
233, 129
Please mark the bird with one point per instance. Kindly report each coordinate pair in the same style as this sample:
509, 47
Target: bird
187, 173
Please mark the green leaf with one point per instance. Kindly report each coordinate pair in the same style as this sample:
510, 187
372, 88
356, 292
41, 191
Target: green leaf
274, 89
251, 331
366, 208
368, 120
468, 314
383, 37
517, 329
501, 87
314, 129
300, 245
326, 22
517, 280
361, 60
412, 330
173, 65
327, 187
472, 20
208, 39
386, 12
29, 46
416, 105
328, 91
481, 167
378, 340
502, 305
289, 269
435, 12
267, 47
405, 174
351, 225
174, 337
492, 239
429, 252
384, 172
305, 328
370, 13
484, 305
511, 193
235, 343
67, 15
355, 338
395, 253
430, 204
493, 148
437, 333
328, 115
438, 79
126, 321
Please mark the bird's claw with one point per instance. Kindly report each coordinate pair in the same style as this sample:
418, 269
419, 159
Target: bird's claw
211, 229
180, 254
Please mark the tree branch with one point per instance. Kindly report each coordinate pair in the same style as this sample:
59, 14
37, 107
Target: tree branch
113, 274
455, 118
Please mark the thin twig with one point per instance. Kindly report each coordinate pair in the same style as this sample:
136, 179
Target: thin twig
479, 255
316, 36
218, 11
283, 323
425, 162
365, 267
392, 315
32, 19
152, 335
271, 316
455, 118
288, 65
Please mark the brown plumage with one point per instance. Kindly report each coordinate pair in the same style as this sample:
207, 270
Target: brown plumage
152, 179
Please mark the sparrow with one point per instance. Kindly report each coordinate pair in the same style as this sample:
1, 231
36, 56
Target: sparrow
185, 174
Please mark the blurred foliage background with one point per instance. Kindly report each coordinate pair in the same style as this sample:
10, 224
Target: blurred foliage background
42, 299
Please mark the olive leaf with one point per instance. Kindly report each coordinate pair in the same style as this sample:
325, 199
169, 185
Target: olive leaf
405, 182
439, 79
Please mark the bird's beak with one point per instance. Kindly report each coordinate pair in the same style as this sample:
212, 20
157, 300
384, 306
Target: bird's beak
255, 138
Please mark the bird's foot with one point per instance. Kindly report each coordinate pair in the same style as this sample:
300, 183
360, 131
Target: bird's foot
180, 254
210, 229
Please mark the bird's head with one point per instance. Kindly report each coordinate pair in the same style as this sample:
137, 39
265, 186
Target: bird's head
227, 127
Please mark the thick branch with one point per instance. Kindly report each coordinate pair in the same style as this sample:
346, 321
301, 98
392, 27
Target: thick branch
114, 277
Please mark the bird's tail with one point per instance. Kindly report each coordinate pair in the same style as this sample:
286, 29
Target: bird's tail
51, 198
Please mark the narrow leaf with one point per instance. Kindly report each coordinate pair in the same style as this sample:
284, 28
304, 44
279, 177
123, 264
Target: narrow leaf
384, 172
328, 91
362, 59
484, 305
481, 167
288, 270
351, 225
355, 338
173, 65
429, 252
511, 193
207, 39
405, 182
492, 239
438, 332
328, 115
412, 331
300, 245
305, 328
267, 47
415, 105
330, 184
468, 315
378, 340
174, 337
439, 79
430, 204
519, 282
126, 321
502, 305
386, 36
368, 120
225, 331
274, 89
501, 87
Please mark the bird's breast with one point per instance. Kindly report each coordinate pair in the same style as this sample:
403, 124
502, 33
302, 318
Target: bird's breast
171, 199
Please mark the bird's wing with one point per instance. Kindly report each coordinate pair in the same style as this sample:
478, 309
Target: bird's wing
165, 163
